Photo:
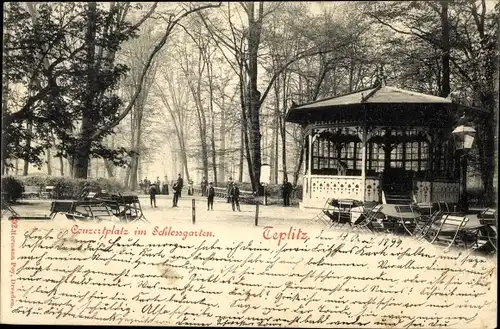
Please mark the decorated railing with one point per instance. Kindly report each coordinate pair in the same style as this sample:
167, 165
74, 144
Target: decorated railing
317, 189
437, 191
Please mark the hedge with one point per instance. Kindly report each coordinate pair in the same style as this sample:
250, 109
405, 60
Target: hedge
12, 188
64, 187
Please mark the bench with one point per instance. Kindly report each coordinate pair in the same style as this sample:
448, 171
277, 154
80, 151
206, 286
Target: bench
48, 192
30, 191
62, 206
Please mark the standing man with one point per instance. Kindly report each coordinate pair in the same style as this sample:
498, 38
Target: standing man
152, 195
235, 196
286, 191
177, 192
228, 189
164, 188
85, 191
146, 185
210, 192
203, 186
190, 187
158, 185
180, 184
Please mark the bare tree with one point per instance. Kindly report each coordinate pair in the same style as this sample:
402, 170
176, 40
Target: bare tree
175, 99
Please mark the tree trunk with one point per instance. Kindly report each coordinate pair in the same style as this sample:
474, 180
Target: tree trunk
214, 150
61, 164
222, 145
133, 178
245, 140
185, 161
486, 146
212, 120
126, 180
49, 163
109, 168
5, 92
81, 163
283, 130
274, 137
71, 167
254, 102
242, 152
299, 165
27, 149
445, 49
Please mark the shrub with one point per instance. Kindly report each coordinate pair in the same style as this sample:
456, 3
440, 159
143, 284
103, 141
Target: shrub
70, 188
12, 188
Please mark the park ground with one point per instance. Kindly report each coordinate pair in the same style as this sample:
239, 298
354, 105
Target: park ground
164, 214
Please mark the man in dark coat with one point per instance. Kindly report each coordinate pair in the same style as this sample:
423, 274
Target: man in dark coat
84, 193
180, 183
164, 189
158, 185
228, 189
152, 194
235, 196
203, 186
286, 191
210, 192
177, 192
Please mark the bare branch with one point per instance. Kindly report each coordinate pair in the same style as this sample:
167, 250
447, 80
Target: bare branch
145, 17
145, 70
286, 65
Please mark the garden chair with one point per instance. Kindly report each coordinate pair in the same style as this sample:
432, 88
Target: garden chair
450, 231
446, 209
365, 222
343, 213
326, 215
425, 223
7, 209
407, 218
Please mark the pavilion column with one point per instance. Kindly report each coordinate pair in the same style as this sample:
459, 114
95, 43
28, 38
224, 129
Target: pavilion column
309, 155
307, 192
363, 161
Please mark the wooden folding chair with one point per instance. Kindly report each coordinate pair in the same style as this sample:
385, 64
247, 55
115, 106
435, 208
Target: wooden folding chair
326, 215
448, 235
407, 225
7, 209
364, 222
425, 223
342, 216
446, 209
488, 217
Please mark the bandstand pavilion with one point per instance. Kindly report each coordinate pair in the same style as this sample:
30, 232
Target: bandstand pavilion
381, 144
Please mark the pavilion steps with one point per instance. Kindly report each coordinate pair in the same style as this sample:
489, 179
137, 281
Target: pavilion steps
404, 199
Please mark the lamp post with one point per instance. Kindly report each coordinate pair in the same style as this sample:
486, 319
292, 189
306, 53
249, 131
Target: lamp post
464, 135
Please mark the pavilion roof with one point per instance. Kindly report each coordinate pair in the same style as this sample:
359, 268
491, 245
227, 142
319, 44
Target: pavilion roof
384, 94
380, 95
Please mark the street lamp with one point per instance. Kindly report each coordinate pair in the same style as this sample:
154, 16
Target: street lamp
464, 136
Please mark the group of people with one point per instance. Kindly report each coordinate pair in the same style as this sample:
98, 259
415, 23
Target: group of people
160, 187
208, 190
157, 188
233, 192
